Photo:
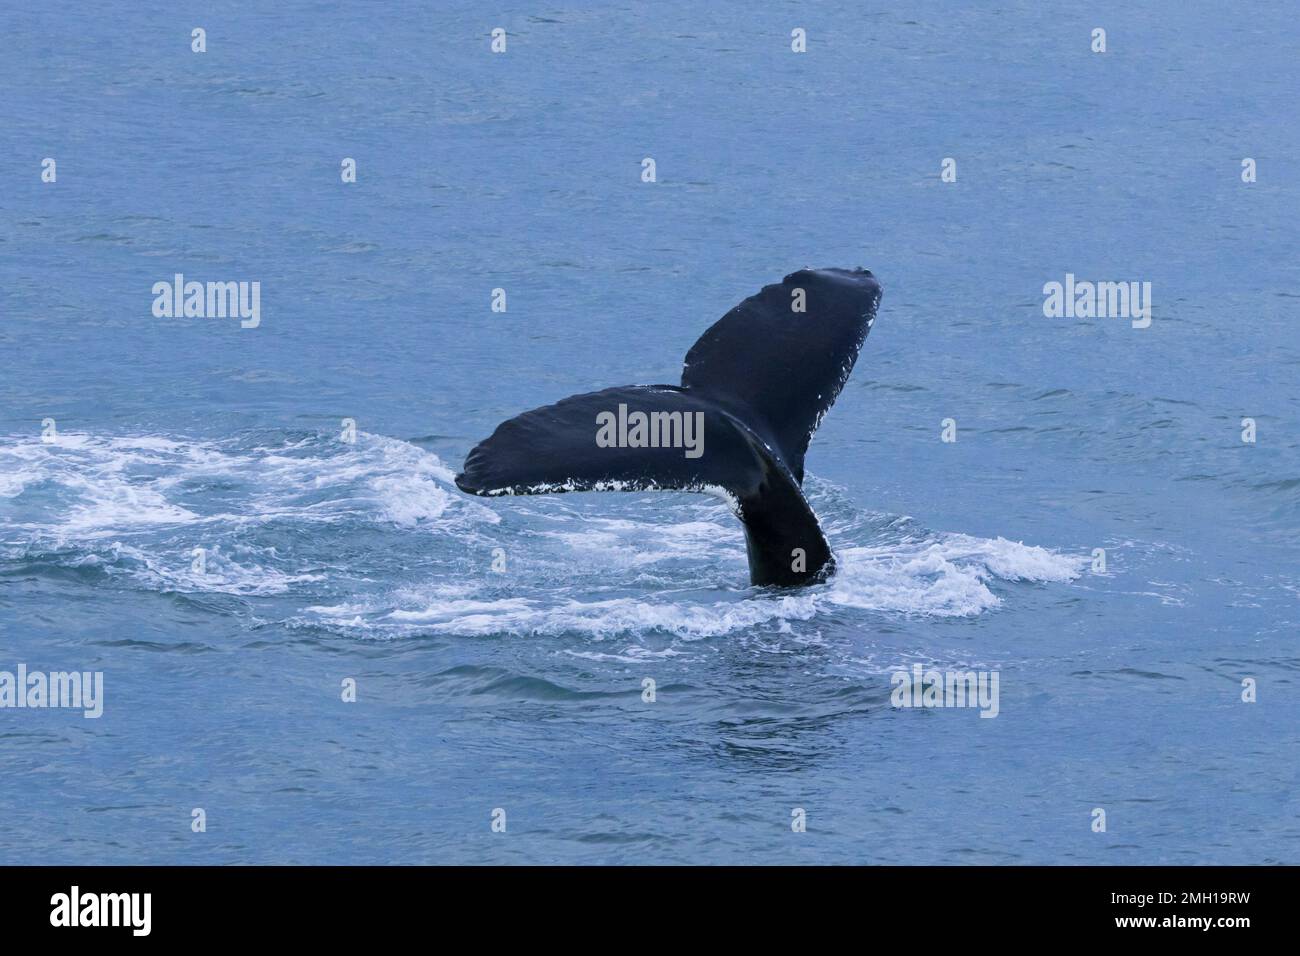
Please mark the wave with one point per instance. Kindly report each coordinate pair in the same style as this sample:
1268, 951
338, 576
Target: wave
371, 539
946, 576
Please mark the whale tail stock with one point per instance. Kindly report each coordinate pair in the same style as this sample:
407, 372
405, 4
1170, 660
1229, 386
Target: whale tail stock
754, 389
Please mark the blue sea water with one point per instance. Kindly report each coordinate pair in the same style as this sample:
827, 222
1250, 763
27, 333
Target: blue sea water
521, 689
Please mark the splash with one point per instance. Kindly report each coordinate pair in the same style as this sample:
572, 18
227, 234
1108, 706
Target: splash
372, 539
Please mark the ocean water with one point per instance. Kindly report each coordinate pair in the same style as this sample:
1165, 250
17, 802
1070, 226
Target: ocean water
521, 689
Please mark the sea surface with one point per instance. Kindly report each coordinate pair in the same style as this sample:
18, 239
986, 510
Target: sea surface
500, 649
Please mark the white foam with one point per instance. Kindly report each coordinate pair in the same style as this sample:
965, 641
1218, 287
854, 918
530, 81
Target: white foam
661, 563
140, 505
623, 543
106, 485
1013, 560
221, 574
948, 576
941, 576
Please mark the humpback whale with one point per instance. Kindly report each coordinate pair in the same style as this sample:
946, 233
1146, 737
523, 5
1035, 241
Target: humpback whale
759, 382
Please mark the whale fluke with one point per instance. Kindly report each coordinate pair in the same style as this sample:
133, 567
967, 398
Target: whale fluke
754, 389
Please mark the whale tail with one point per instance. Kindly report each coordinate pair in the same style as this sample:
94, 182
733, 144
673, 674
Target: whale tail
754, 389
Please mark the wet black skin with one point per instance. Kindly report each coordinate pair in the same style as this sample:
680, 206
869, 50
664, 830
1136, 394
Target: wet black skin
762, 376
